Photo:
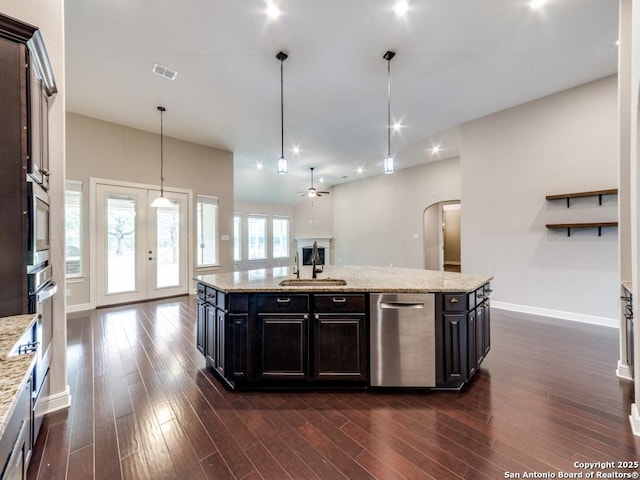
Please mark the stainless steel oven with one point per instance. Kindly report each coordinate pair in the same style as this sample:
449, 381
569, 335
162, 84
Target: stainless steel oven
41, 291
38, 226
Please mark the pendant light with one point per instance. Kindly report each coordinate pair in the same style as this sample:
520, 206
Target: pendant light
283, 166
388, 162
161, 201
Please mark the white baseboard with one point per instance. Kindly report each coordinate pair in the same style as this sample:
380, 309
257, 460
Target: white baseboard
80, 307
634, 418
624, 371
59, 401
547, 312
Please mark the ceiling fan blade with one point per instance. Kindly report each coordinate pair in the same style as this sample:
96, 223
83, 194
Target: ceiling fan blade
326, 193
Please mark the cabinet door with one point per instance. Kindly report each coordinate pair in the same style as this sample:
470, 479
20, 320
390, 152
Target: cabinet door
472, 344
237, 349
454, 332
200, 322
210, 335
340, 347
486, 328
219, 336
283, 347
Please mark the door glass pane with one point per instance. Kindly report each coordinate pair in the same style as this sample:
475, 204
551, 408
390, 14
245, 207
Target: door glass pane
121, 241
168, 246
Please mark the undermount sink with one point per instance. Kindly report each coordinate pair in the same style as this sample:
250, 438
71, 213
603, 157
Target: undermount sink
312, 282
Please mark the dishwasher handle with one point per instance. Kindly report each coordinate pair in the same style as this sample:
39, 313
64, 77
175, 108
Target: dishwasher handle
401, 305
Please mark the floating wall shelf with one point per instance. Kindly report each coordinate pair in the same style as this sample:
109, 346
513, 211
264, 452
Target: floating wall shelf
569, 226
569, 196
595, 193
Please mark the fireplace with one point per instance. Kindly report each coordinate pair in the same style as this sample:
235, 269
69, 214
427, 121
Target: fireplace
304, 247
307, 256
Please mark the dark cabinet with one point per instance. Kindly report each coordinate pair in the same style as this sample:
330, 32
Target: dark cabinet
200, 324
282, 337
462, 336
340, 347
278, 339
283, 347
210, 334
340, 342
26, 84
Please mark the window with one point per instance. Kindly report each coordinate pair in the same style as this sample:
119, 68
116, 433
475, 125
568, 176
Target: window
237, 237
280, 237
257, 235
73, 228
207, 230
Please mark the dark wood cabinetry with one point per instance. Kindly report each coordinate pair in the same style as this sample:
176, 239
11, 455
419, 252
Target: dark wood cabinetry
25, 86
308, 339
463, 336
340, 337
254, 340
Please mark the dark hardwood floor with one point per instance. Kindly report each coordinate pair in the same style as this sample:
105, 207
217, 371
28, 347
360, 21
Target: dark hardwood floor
144, 407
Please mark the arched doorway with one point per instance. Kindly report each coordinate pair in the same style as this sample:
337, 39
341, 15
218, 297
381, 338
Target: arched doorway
441, 233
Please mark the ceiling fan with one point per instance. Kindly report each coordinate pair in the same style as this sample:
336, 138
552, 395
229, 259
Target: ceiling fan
312, 191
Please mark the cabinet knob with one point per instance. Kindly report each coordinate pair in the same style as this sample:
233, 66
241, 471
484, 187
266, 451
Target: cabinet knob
283, 300
453, 300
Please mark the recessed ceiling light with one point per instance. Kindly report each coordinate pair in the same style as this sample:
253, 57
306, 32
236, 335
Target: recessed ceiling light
259, 165
536, 3
401, 8
295, 150
321, 179
396, 126
360, 170
273, 11
435, 149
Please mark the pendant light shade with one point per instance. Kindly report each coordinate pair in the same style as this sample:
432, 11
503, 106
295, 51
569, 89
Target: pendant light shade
161, 201
389, 166
283, 164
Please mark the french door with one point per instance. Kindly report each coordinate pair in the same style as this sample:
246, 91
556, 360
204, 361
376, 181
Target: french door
142, 252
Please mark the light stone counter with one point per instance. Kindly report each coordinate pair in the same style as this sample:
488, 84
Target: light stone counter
14, 370
358, 278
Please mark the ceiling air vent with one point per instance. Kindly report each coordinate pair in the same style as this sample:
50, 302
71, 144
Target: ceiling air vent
163, 71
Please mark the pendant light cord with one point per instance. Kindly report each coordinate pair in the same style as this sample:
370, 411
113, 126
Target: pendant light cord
281, 108
388, 107
162, 110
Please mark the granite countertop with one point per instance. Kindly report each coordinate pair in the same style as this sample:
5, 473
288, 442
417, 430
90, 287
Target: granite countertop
14, 370
358, 278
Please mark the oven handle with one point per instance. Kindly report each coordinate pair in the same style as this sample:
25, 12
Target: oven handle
47, 292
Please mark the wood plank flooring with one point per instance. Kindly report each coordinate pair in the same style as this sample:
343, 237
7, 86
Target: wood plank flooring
144, 407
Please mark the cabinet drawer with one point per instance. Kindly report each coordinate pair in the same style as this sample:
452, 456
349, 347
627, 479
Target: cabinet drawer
337, 303
200, 291
210, 295
455, 302
220, 300
283, 303
238, 302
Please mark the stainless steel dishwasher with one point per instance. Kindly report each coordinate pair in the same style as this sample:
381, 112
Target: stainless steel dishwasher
402, 340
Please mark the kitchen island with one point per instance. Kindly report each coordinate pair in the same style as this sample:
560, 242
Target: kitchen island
268, 328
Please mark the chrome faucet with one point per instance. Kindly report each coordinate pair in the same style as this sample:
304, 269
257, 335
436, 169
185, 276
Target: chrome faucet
296, 266
315, 260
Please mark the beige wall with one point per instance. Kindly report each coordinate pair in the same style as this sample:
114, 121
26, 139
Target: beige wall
509, 161
47, 15
105, 150
379, 220
451, 222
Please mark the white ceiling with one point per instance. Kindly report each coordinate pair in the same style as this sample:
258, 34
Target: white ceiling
456, 60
